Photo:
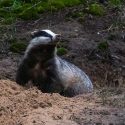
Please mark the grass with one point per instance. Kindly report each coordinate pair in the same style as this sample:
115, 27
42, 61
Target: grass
30, 9
96, 9
116, 2
17, 47
11, 10
61, 51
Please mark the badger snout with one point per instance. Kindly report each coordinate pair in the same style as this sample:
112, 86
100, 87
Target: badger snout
57, 38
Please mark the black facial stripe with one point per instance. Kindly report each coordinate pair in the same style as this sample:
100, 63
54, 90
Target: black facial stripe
42, 33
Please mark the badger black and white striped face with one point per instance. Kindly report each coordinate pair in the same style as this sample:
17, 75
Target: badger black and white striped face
43, 39
43, 33
44, 36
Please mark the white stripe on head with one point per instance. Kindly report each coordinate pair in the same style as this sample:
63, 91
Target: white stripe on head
51, 33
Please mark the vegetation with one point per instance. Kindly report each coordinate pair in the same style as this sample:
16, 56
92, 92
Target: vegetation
61, 51
17, 47
10, 10
116, 2
96, 9
103, 46
24, 9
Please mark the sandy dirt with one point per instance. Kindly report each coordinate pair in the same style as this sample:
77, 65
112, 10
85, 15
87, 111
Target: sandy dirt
106, 105
21, 106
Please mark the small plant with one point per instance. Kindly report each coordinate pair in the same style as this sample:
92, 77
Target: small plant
116, 2
3, 13
6, 3
61, 51
77, 14
40, 9
17, 47
71, 2
27, 12
8, 21
96, 9
103, 46
56, 4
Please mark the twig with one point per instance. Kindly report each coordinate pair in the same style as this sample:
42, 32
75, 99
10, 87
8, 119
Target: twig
109, 29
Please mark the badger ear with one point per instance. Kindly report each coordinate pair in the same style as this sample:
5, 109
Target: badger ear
33, 34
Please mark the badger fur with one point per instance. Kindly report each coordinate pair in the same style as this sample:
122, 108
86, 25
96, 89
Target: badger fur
44, 68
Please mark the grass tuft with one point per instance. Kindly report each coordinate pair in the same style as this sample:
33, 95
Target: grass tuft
103, 46
96, 9
17, 47
61, 51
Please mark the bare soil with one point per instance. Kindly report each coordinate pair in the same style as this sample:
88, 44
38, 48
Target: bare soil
106, 105
21, 106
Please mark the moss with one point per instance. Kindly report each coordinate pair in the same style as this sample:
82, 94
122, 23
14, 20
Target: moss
4, 13
33, 1
116, 2
61, 51
29, 13
17, 7
103, 46
71, 2
17, 47
8, 20
57, 4
54, 5
96, 9
40, 9
29, 9
6, 3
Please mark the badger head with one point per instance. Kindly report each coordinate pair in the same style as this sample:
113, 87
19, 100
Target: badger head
43, 41
44, 36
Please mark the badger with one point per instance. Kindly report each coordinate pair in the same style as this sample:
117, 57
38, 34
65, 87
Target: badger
50, 73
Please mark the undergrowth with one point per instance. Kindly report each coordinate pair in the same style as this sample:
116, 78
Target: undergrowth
11, 10
30, 9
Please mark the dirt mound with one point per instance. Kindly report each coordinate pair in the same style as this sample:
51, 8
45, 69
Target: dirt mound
21, 106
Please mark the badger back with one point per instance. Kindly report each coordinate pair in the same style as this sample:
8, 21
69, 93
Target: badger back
73, 79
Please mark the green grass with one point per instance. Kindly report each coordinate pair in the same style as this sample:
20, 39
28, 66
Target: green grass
11, 10
17, 47
61, 51
30, 9
6, 3
116, 2
96, 9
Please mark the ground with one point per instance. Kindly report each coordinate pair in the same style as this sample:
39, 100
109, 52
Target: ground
21, 106
96, 45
